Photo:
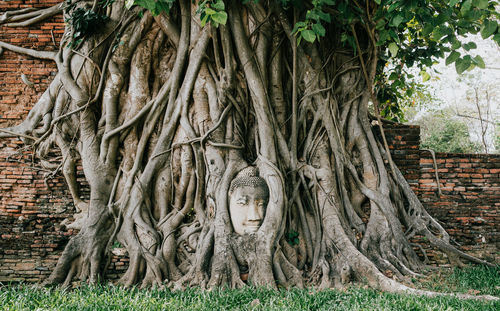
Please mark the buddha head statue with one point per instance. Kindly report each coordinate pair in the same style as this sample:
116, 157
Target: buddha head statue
248, 197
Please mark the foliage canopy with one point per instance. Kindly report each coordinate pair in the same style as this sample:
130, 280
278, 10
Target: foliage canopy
409, 32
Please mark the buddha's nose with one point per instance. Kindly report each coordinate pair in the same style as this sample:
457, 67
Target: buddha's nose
253, 213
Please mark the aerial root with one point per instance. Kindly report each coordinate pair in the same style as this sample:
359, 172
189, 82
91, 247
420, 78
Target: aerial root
180, 148
292, 274
29, 16
30, 52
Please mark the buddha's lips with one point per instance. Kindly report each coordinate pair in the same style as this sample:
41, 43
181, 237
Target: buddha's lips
253, 223
252, 228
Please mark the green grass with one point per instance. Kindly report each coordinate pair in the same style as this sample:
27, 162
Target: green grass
477, 280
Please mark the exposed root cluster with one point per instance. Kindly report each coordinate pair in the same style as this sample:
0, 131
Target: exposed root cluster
164, 113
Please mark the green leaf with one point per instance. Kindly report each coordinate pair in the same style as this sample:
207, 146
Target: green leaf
324, 16
394, 35
147, 4
397, 20
392, 7
488, 28
210, 11
220, 17
393, 76
462, 64
319, 30
393, 48
380, 24
474, 15
425, 75
453, 3
377, 1
218, 5
162, 6
312, 15
469, 46
452, 57
479, 62
437, 34
465, 7
204, 20
456, 44
427, 29
480, 4
299, 26
496, 38
383, 36
308, 35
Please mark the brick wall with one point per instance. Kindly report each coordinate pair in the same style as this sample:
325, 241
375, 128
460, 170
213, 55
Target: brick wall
16, 98
404, 143
31, 207
33, 204
469, 206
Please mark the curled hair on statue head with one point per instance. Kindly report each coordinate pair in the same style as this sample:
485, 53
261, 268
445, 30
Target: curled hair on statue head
248, 177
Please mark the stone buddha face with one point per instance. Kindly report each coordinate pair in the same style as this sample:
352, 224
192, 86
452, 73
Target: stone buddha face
248, 197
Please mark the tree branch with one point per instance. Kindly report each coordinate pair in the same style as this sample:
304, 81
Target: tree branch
33, 53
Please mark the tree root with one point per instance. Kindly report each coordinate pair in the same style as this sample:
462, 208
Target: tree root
29, 16
163, 114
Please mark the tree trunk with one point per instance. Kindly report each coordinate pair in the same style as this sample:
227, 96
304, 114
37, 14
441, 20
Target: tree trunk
170, 119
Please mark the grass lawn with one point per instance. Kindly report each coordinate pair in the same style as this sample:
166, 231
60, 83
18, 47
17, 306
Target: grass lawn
472, 280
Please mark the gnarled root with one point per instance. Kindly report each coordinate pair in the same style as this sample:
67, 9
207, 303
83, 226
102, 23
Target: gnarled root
163, 114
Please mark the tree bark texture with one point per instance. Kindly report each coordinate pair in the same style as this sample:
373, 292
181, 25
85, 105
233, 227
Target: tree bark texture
164, 113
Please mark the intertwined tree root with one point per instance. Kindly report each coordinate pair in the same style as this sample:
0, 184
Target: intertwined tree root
164, 113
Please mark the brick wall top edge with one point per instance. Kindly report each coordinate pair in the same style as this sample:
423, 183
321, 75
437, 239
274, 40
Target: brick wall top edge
400, 125
463, 155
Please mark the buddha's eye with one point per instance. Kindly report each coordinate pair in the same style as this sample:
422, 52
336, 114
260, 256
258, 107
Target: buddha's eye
242, 201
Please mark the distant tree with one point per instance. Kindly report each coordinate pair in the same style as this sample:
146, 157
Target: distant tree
442, 133
476, 108
472, 109
497, 137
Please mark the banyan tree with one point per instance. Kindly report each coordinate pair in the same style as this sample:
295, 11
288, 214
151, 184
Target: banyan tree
223, 139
